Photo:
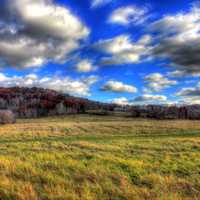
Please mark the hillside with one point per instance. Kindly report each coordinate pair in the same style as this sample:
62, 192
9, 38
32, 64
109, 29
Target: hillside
37, 102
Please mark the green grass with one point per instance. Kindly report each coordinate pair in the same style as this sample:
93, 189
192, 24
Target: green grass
100, 158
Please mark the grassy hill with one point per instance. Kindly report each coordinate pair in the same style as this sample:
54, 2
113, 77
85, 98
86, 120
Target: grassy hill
82, 157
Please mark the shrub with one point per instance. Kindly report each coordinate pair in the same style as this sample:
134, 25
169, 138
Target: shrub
7, 117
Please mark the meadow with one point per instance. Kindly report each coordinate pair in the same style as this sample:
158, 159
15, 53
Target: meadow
82, 157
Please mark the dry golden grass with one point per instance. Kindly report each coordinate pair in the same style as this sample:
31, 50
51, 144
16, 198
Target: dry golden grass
100, 158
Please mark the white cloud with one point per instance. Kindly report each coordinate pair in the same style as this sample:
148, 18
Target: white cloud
191, 101
191, 91
190, 95
182, 73
178, 39
128, 15
123, 50
121, 101
143, 99
85, 66
116, 86
50, 19
98, 3
63, 84
43, 31
150, 98
158, 82
185, 26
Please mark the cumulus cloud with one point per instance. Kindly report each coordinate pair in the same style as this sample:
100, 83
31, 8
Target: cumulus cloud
62, 84
128, 15
190, 95
157, 82
122, 49
98, 3
182, 73
116, 86
143, 99
121, 101
190, 92
190, 101
150, 98
85, 66
178, 39
35, 32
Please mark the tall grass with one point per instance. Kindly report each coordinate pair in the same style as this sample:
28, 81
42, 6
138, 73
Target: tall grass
100, 158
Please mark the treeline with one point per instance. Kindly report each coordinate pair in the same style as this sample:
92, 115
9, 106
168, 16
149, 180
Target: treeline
166, 112
37, 102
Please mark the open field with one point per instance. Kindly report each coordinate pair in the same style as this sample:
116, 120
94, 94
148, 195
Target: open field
100, 158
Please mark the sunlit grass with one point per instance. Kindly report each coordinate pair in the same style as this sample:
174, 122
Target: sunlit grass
100, 158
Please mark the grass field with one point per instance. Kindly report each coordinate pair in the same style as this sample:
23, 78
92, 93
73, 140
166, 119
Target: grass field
100, 158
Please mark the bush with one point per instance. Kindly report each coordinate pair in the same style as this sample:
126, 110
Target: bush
7, 117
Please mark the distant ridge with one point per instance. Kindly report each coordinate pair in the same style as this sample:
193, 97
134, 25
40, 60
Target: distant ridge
38, 102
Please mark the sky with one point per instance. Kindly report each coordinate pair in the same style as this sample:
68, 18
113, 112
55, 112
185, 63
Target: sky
119, 51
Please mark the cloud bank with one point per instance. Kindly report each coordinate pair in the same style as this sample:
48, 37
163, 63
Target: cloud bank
66, 85
33, 33
178, 39
148, 97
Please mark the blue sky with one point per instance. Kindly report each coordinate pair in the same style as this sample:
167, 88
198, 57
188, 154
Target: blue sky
126, 52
